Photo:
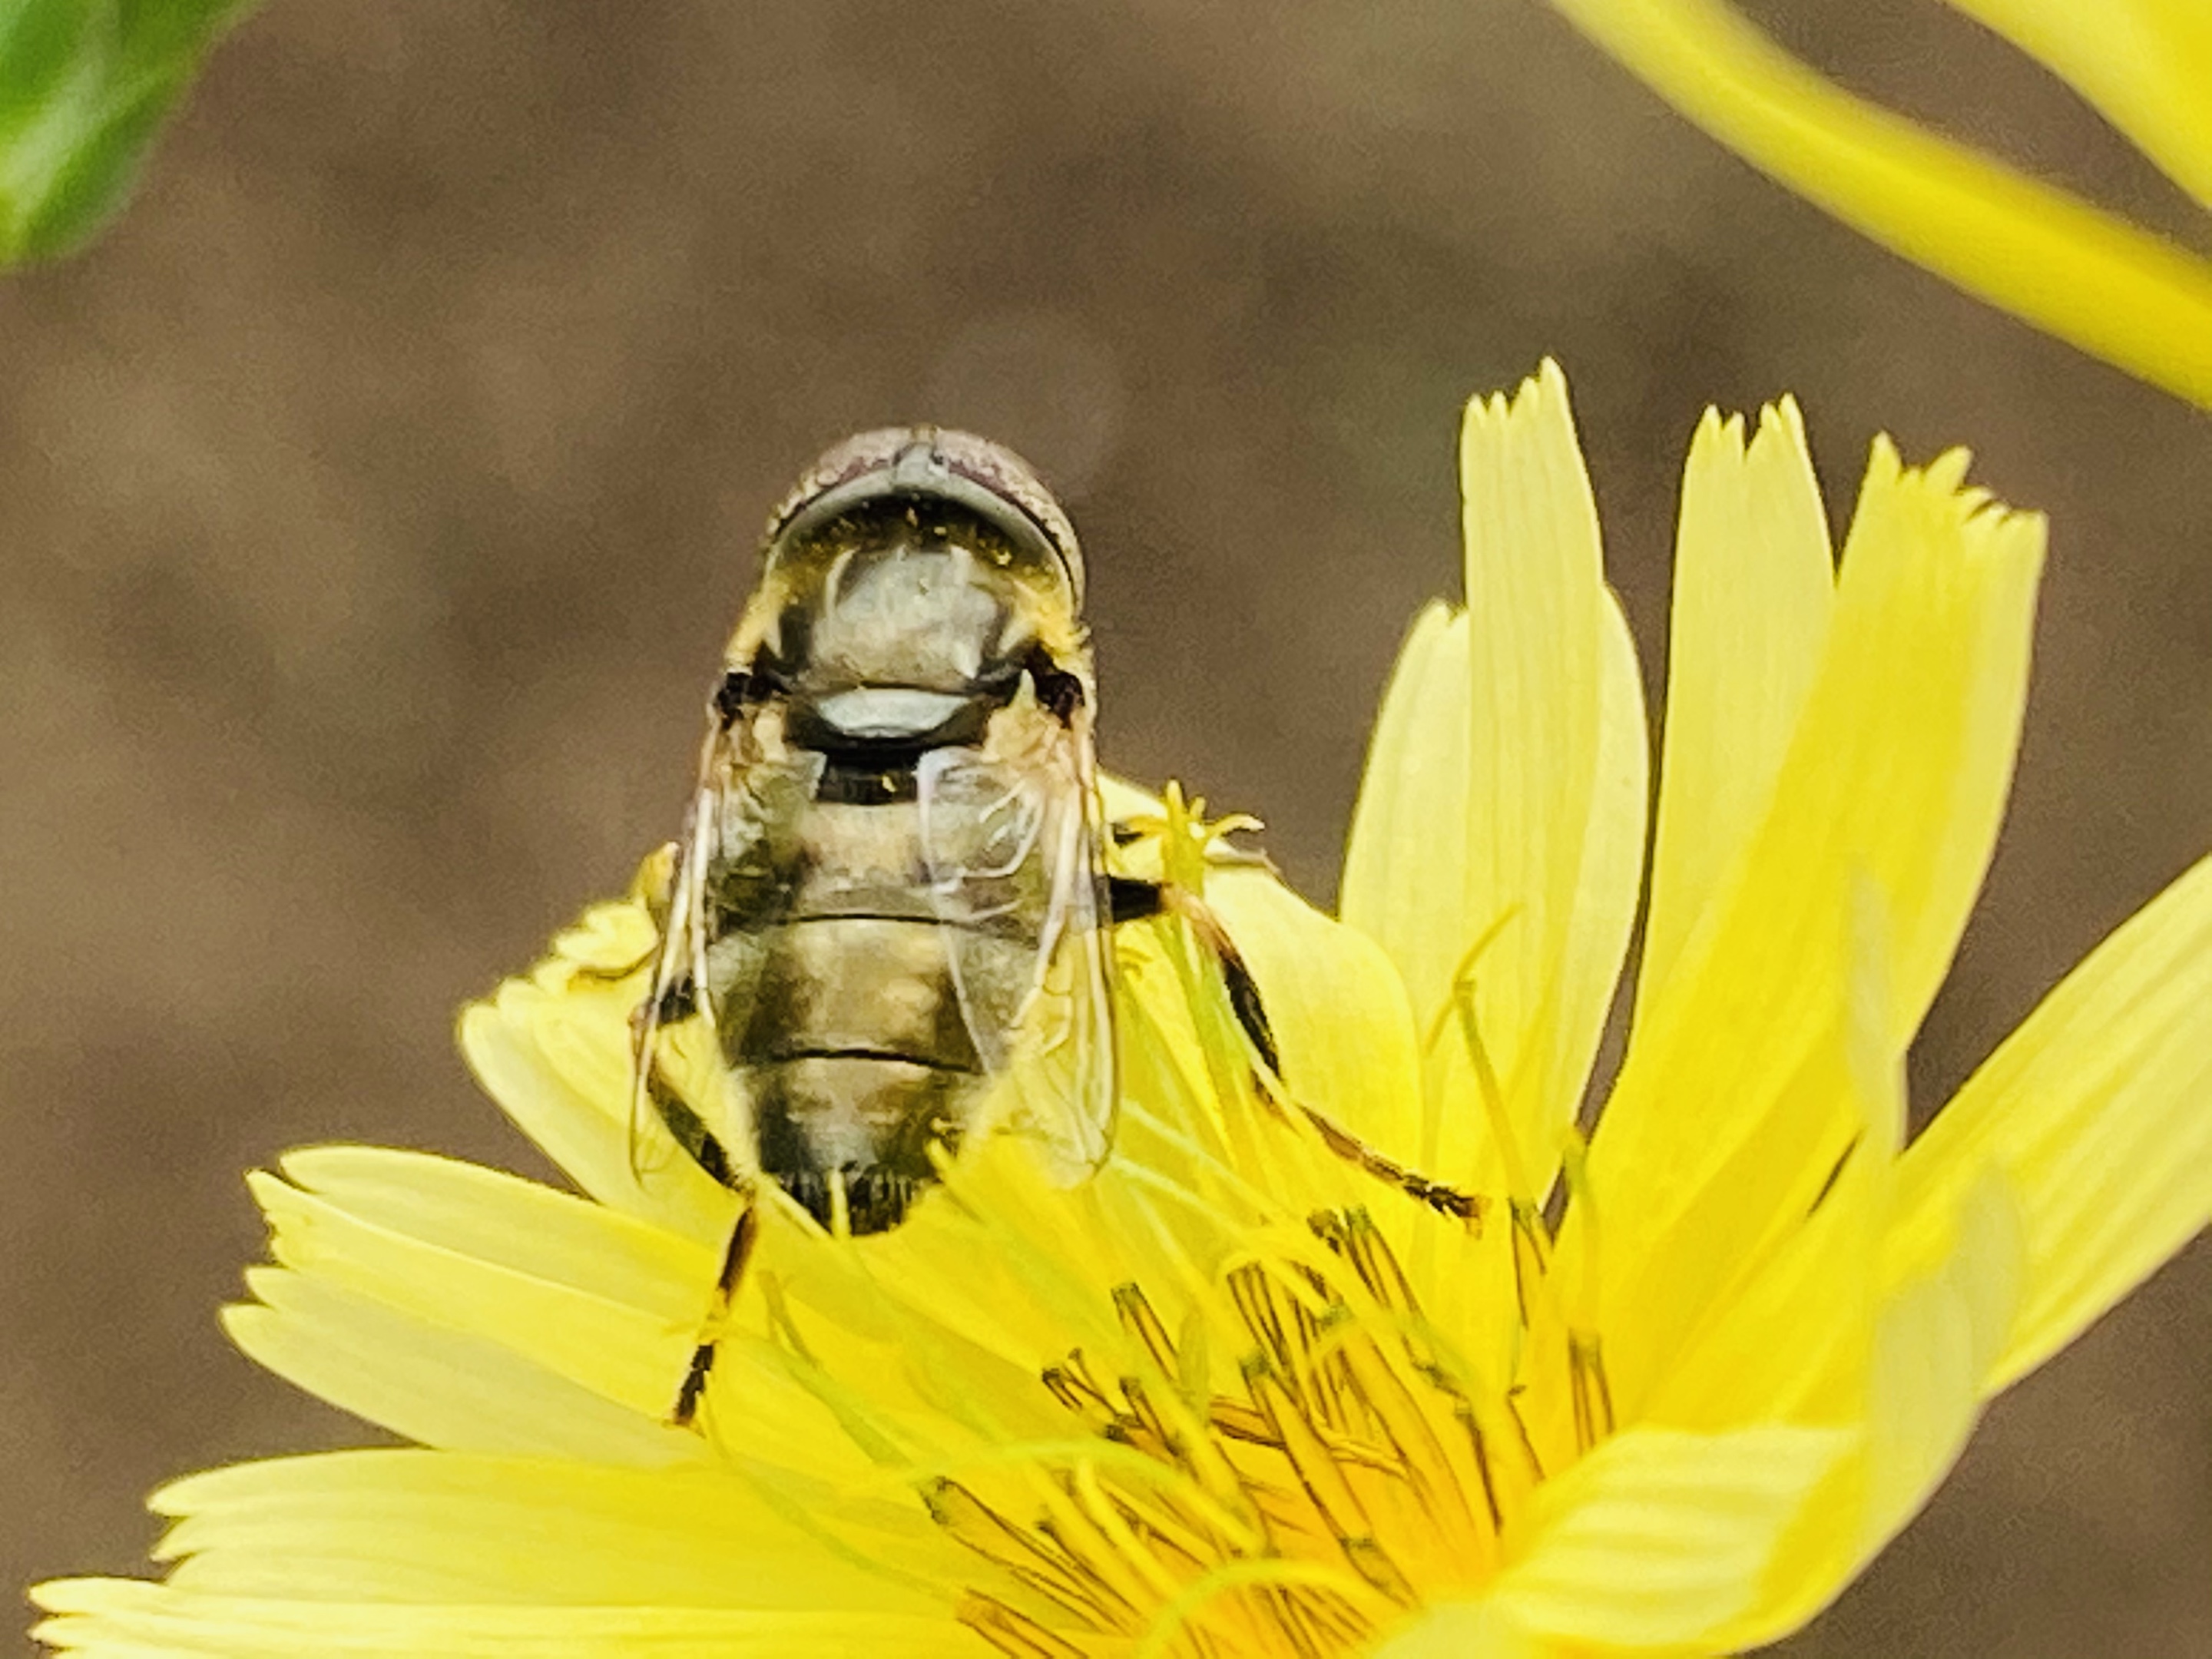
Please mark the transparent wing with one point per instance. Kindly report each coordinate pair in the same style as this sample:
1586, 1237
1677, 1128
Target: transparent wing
673, 996
683, 1096
1014, 855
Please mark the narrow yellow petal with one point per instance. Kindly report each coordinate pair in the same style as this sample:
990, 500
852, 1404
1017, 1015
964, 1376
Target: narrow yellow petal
141, 1621
1895, 780
1932, 1342
492, 1217
2146, 64
1660, 1538
1937, 1340
439, 1386
2116, 291
1336, 1006
1536, 609
629, 1345
1734, 1366
1504, 790
1677, 1302
1611, 879
553, 1050
1754, 583
1412, 818
1413, 821
1462, 1629
446, 1527
2099, 1112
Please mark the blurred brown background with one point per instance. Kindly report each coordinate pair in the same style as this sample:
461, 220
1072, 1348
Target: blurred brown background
374, 501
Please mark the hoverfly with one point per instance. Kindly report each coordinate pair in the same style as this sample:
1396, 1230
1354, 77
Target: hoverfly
890, 890
891, 893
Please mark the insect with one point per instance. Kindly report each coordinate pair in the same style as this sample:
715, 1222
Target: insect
891, 901
891, 891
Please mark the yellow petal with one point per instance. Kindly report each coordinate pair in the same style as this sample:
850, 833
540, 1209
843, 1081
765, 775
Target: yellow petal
1409, 840
1895, 779
1754, 583
1938, 1337
494, 1218
124, 1617
1922, 1397
623, 1333
1479, 820
1730, 1368
1536, 617
2099, 1112
1611, 879
447, 1527
1462, 1629
1336, 1006
2116, 291
1416, 783
553, 1050
1659, 1538
2144, 64
438, 1387
1677, 1302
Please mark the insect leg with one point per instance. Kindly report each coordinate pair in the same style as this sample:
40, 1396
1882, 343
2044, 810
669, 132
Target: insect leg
690, 1130
1133, 900
742, 1237
705, 1149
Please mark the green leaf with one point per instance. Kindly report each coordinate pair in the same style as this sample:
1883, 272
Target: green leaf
84, 85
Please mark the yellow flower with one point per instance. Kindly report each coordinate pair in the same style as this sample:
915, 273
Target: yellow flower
1253, 1389
2140, 301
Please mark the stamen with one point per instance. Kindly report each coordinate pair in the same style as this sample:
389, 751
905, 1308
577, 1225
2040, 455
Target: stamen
1421, 1455
1098, 1557
1166, 1527
1334, 1618
1011, 1632
1144, 1419
981, 1528
1074, 1389
1253, 1290
1593, 1395
1142, 1322
1305, 1592
1354, 1235
1521, 1430
1480, 1445
1331, 1494
1239, 1422
1292, 1616
1251, 1427
1084, 1489
1323, 1371
1529, 1265
1062, 1388
1235, 1512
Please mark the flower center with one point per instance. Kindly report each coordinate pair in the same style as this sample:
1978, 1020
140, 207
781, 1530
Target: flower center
1350, 1474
